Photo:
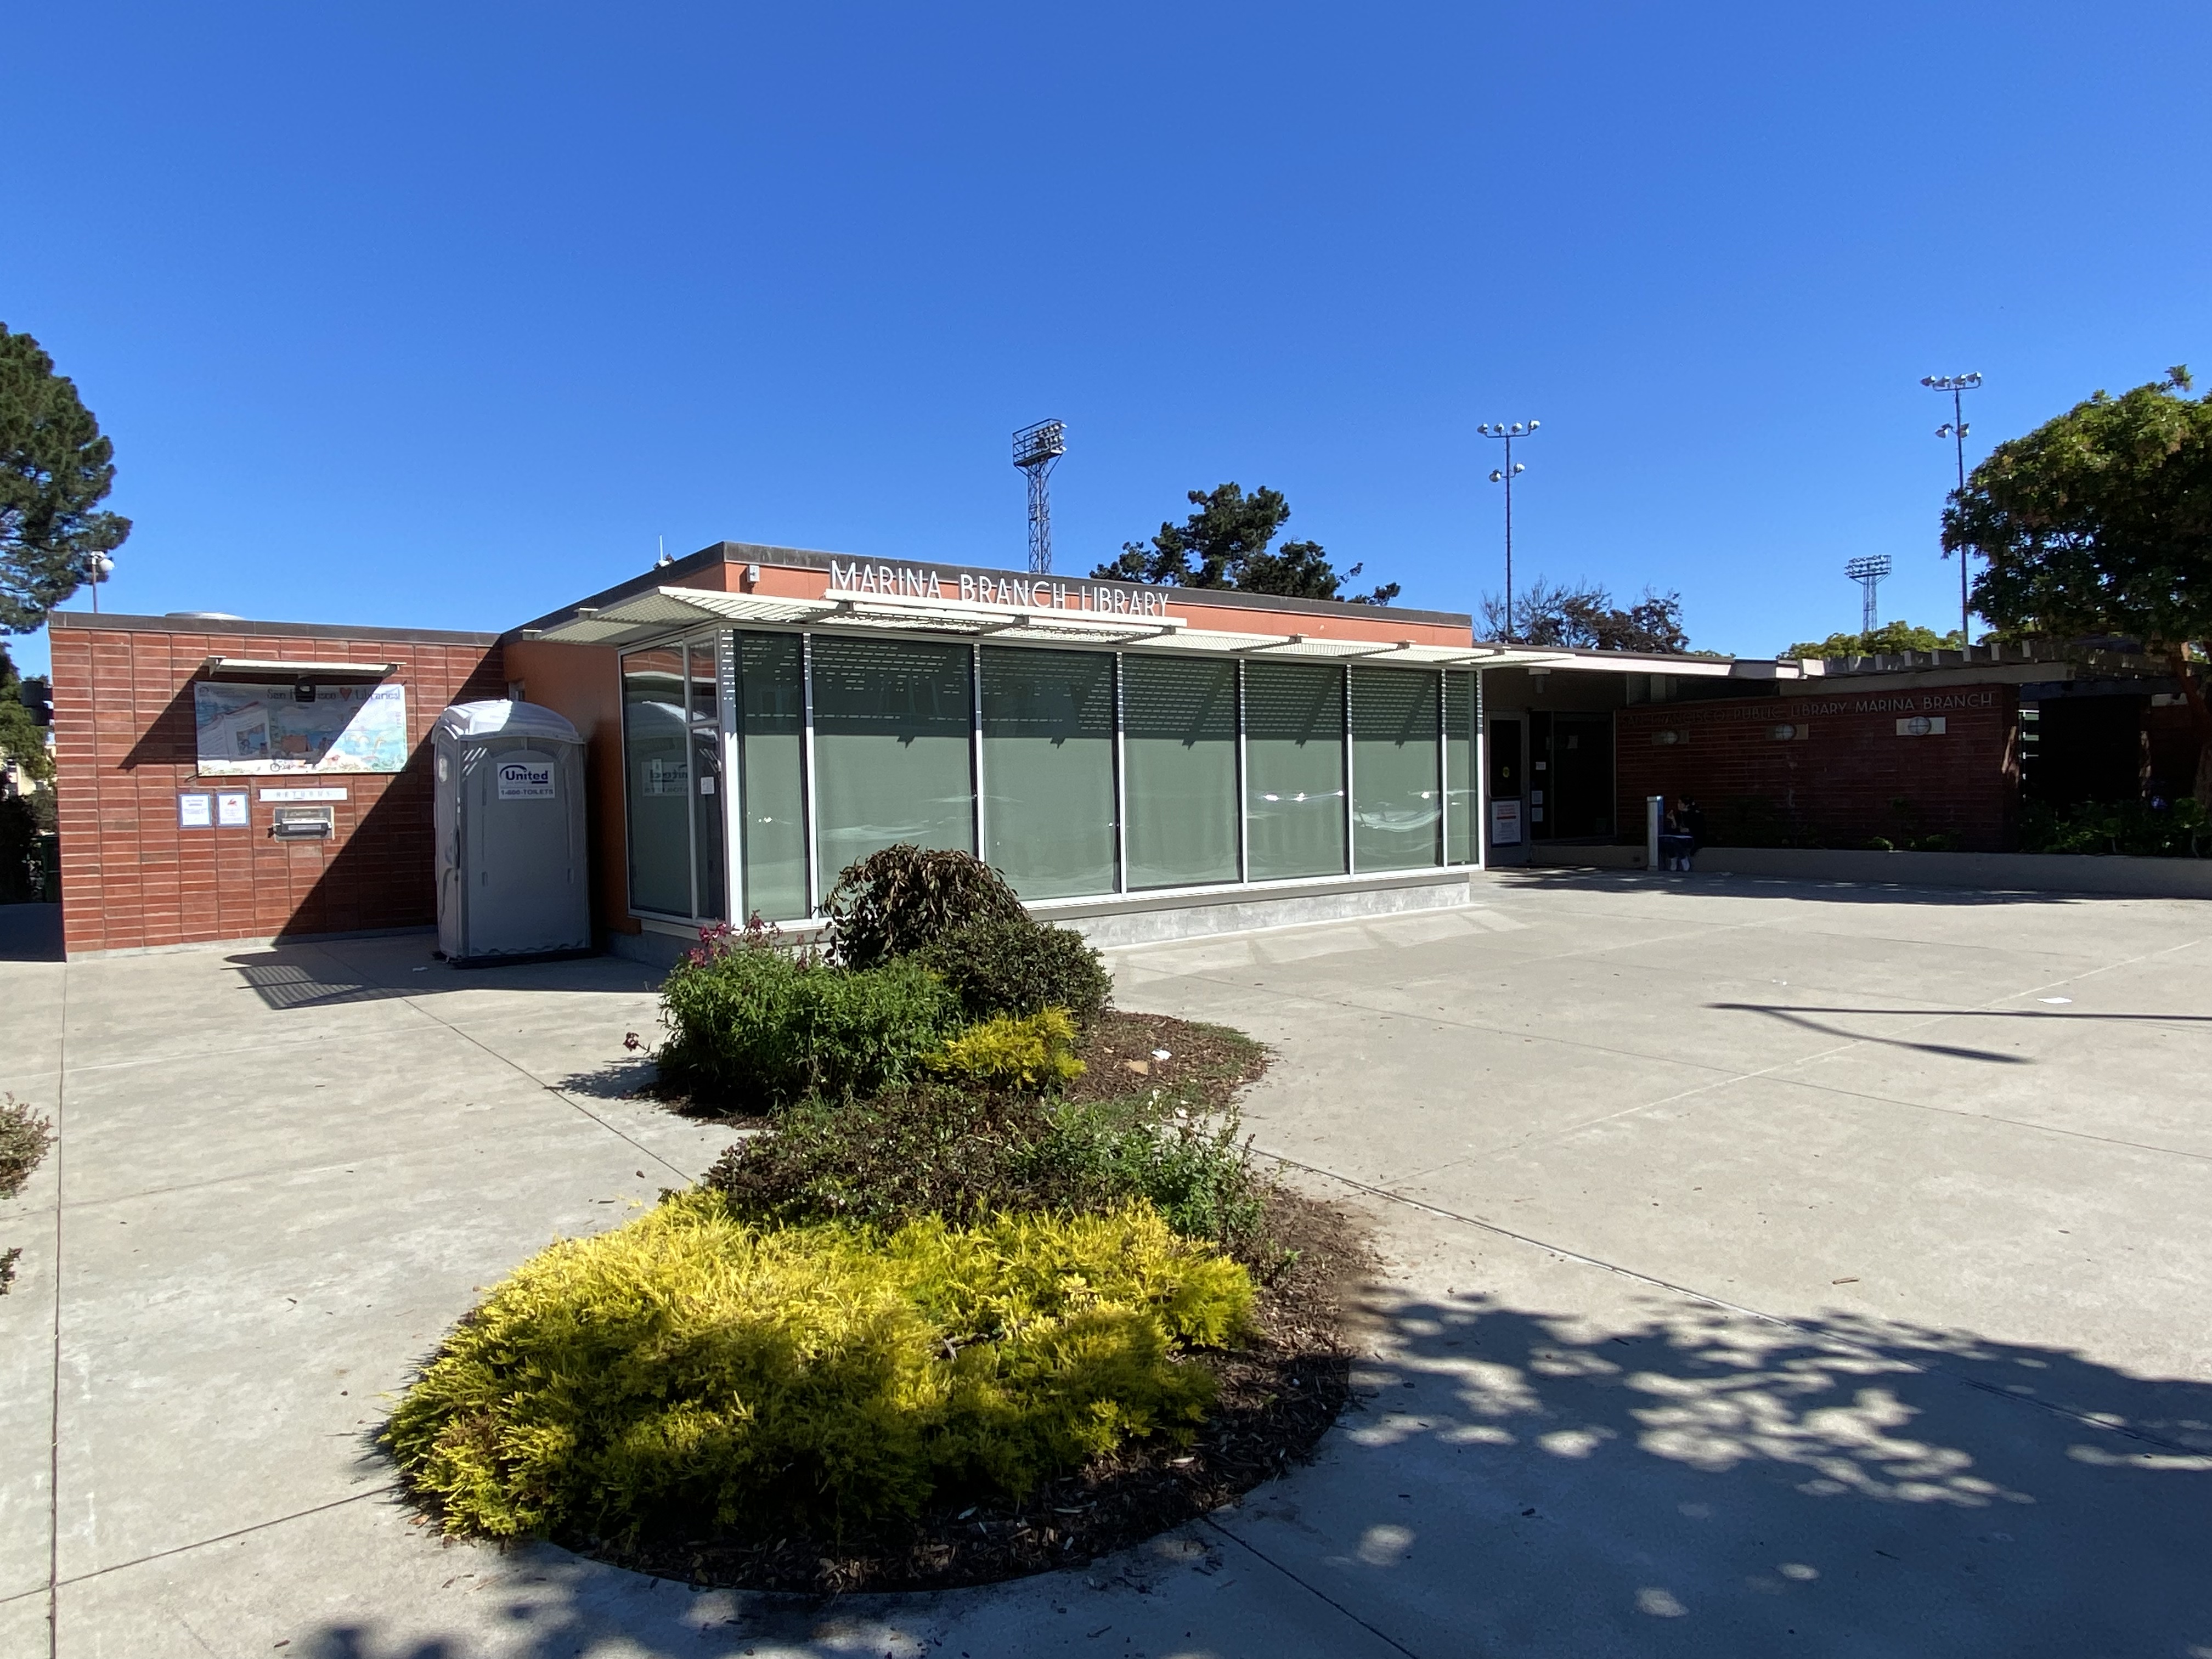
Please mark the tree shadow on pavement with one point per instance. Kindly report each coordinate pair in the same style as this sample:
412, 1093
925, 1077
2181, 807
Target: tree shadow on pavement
1684, 1479
1699, 1481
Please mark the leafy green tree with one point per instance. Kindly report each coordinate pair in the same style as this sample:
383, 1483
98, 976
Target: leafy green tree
1228, 543
2099, 522
55, 468
1585, 617
20, 740
1890, 640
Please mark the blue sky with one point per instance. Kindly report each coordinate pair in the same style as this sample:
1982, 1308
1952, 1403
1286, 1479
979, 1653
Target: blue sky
440, 316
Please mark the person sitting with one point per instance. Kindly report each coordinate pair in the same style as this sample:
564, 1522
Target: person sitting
1675, 843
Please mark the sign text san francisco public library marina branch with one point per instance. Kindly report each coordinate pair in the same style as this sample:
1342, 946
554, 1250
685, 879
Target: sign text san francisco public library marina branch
1032, 592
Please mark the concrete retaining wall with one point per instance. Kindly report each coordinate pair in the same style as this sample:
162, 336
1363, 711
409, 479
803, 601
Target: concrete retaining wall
1997, 873
1155, 918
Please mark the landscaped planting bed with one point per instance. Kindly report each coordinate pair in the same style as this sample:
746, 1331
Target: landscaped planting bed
990, 1285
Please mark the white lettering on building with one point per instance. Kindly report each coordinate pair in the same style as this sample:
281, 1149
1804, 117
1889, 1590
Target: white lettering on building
1021, 593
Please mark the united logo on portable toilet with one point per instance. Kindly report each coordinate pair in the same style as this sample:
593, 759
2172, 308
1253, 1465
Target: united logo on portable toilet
525, 777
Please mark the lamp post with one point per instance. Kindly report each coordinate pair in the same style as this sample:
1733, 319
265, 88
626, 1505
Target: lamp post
1955, 430
1505, 475
97, 570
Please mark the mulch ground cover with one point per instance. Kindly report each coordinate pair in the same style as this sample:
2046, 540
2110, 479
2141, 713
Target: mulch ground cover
1279, 1393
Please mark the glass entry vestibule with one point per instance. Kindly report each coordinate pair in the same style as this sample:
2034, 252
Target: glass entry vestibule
1077, 773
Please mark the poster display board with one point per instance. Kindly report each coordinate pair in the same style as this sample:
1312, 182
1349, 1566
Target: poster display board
1504, 823
248, 729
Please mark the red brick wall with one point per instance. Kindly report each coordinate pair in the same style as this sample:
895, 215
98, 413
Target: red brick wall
1839, 780
125, 747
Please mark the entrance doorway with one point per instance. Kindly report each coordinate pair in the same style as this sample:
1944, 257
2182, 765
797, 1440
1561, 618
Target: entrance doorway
1506, 823
1570, 777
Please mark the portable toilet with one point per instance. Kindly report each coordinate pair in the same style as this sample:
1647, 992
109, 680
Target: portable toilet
514, 876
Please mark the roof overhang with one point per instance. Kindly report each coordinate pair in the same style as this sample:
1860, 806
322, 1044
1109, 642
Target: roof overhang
660, 611
1548, 659
271, 668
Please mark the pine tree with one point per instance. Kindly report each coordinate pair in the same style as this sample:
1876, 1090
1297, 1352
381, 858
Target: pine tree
55, 468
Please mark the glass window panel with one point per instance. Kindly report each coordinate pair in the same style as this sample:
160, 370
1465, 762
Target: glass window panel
891, 749
1459, 768
656, 759
707, 783
1397, 796
771, 712
1048, 769
1179, 744
1294, 769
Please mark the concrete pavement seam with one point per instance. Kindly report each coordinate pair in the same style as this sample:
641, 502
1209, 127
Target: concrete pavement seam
1933, 1017
225, 1537
1780, 1321
1318, 1594
559, 1094
54, 1420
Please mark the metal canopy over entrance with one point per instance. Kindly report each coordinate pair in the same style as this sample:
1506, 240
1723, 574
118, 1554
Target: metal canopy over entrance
660, 611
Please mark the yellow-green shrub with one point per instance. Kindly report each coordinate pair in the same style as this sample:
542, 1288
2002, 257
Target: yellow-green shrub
688, 1368
1029, 1051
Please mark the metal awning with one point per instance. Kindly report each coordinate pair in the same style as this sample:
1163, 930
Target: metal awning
269, 668
658, 611
663, 609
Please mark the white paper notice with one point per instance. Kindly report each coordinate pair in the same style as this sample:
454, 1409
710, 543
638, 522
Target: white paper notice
192, 812
230, 810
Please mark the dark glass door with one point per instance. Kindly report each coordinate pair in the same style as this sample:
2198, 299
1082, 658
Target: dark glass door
1580, 798
1508, 825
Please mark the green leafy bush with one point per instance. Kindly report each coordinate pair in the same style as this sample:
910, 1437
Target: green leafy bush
962, 1154
755, 1026
2133, 828
1190, 1165
23, 1141
1014, 965
689, 1368
1035, 1052
894, 902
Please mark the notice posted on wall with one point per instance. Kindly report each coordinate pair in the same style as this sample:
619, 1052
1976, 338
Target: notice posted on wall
256, 730
1506, 823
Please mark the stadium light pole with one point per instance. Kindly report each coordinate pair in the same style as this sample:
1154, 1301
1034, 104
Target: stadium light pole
1955, 430
1506, 475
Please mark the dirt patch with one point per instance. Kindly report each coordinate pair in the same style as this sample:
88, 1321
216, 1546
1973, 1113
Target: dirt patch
1278, 1395
1121, 1056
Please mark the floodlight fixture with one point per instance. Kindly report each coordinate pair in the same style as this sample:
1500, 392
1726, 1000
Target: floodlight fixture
1867, 573
1506, 475
1036, 449
1955, 430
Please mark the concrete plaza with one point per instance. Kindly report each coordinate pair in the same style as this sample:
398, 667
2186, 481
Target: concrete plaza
1771, 1268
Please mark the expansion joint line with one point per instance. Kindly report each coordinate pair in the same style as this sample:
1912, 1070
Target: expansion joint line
559, 1094
54, 1418
1317, 1593
1778, 1321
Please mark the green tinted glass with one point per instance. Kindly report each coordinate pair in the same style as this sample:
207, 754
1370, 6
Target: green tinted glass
772, 780
1397, 796
1459, 768
1179, 744
1048, 769
1294, 769
657, 763
707, 850
891, 749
